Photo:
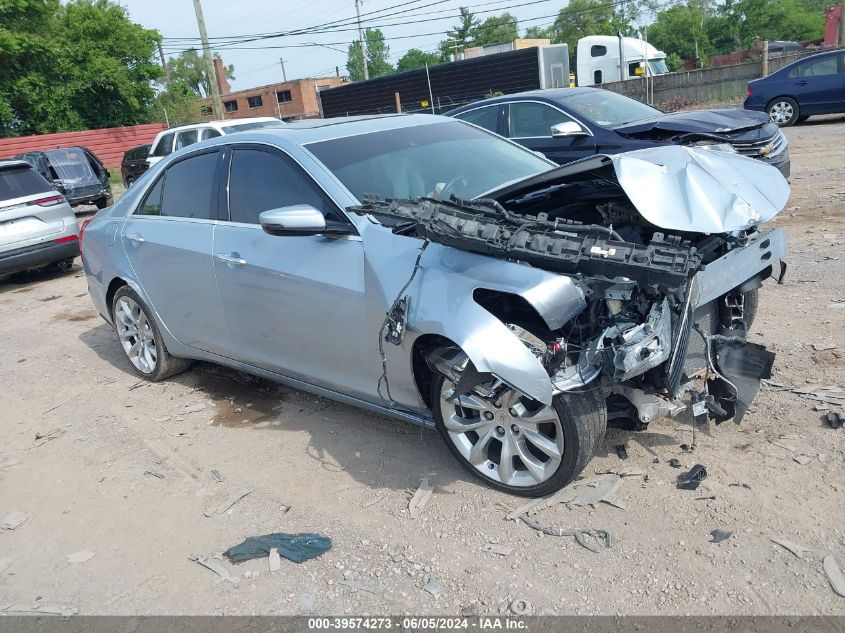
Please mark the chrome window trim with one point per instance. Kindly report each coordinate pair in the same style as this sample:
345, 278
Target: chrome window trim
551, 105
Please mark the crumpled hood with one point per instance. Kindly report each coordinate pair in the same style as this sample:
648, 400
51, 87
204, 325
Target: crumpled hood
677, 187
699, 122
704, 191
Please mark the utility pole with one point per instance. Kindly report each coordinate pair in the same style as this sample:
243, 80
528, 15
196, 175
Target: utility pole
362, 40
284, 74
164, 65
209, 63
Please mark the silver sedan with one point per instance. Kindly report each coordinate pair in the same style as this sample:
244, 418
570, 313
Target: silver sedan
387, 262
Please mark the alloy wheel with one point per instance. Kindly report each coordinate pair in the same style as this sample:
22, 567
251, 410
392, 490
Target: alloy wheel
504, 441
135, 334
781, 113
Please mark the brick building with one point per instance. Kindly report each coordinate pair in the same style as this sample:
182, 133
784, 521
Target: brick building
295, 99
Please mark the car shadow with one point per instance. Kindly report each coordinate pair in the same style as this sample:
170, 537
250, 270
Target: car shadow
25, 281
377, 451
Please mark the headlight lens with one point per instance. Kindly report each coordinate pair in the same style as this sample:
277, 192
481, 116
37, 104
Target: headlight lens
716, 146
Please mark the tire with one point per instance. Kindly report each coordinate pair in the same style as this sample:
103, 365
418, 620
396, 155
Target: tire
783, 111
802, 118
152, 361
749, 304
61, 266
581, 417
102, 203
129, 182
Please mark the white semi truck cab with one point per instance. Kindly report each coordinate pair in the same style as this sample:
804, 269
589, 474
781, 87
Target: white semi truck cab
606, 58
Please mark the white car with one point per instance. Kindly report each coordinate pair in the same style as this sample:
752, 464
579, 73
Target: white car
175, 138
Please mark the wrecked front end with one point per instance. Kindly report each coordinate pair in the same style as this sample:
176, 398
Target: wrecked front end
664, 247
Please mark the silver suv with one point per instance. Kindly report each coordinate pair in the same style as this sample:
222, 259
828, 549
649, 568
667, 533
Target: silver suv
37, 225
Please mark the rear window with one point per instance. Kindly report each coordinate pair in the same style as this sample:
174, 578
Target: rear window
16, 182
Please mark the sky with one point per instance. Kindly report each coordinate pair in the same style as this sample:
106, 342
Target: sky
175, 19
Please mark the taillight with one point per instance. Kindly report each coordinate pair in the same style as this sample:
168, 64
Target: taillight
748, 91
81, 233
65, 239
51, 201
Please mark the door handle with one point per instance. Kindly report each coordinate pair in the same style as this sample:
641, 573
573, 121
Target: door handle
231, 258
802, 83
134, 237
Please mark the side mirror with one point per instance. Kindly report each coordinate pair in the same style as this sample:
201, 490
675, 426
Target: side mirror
298, 219
567, 128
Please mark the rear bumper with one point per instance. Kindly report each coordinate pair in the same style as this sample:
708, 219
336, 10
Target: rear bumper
21, 259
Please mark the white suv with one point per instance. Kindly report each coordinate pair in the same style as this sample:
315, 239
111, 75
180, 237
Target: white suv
176, 138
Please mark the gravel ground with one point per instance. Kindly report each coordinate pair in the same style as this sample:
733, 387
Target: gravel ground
124, 472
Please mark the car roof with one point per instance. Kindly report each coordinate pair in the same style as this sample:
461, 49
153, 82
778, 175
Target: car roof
4, 164
219, 124
558, 95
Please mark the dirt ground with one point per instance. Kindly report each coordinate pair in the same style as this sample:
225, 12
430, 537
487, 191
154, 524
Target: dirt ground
124, 472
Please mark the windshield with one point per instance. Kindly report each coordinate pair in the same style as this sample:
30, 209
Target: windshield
436, 160
658, 66
608, 108
243, 127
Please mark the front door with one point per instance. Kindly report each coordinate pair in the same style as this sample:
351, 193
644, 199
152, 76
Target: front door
168, 240
529, 123
293, 303
819, 86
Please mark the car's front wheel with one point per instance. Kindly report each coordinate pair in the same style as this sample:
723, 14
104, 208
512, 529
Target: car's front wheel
783, 111
141, 339
518, 445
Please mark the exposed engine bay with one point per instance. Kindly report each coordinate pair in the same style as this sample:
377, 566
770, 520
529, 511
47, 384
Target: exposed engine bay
665, 248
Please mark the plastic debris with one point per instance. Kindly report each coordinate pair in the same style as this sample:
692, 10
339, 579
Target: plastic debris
495, 548
361, 585
834, 575
216, 476
420, 498
152, 473
36, 609
217, 567
520, 606
274, 560
696, 473
43, 438
830, 394
797, 550
629, 471
834, 420
12, 519
433, 587
82, 556
194, 408
577, 534
586, 492
801, 459
720, 535
296, 547
674, 463
228, 501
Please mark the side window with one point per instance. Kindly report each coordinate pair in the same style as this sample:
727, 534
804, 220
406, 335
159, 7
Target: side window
189, 190
635, 69
488, 117
165, 145
598, 51
152, 201
528, 119
260, 181
820, 67
187, 137
793, 73
210, 133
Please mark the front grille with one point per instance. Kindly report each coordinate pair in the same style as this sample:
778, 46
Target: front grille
753, 149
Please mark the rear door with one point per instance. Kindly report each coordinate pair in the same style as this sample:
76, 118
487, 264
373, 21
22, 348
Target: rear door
168, 241
818, 85
529, 123
489, 117
31, 211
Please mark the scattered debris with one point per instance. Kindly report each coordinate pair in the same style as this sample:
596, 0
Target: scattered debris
274, 560
82, 556
495, 548
692, 479
656, 460
740, 485
420, 498
61, 404
586, 492
688, 485
154, 474
231, 499
796, 549
378, 499
720, 535
12, 519
629, 471
216, 476
823, 347
217, 567
162, 419
433, 587
521, 606
801, 459
686, 448
674, 463
834, 420
43, 609
361, 585
834, 575
194, 408
708, 498
621, 451
43, 438
577, 534
831, 394
295, 547
784, 446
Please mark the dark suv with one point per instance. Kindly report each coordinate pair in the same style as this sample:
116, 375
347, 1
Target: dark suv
134, 164
74, 171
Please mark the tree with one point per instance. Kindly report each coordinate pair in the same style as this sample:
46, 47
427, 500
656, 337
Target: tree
415, 58
460, 37
189, 68
177, 104
589, 17
495, 30
682, 29
377, 52
82, 65
750, 20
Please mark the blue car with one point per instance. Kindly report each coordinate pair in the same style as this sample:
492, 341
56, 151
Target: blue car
568, 124
813, 85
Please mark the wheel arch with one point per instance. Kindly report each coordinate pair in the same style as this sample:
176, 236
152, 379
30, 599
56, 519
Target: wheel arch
114, 285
